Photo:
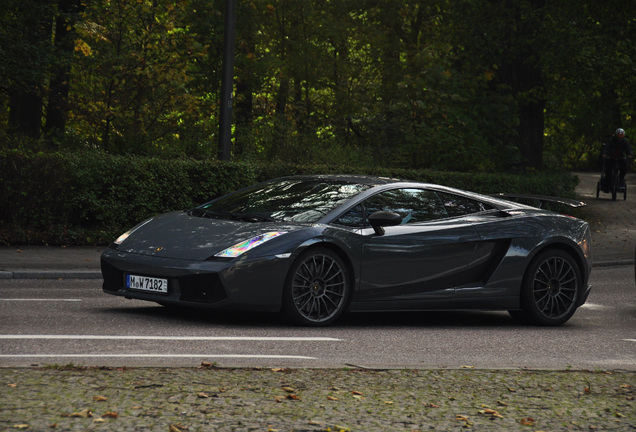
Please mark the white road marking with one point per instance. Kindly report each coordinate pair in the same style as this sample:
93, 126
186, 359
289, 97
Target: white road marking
594, 306
630, 340
176, 338
48, 300
262, 356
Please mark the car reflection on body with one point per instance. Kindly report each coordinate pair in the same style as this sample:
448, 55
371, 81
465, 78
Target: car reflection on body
315, 247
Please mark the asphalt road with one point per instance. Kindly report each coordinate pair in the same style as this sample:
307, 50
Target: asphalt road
45, 322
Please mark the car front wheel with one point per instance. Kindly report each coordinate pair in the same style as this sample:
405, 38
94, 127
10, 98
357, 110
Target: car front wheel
317, 288
551, 289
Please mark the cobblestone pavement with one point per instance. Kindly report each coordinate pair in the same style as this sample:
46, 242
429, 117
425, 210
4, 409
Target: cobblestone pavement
213, 399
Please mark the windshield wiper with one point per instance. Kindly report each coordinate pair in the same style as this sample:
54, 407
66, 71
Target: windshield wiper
253, 217
245, 217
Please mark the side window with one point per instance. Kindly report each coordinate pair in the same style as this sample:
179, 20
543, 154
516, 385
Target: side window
414, 205
459, 206
353, 218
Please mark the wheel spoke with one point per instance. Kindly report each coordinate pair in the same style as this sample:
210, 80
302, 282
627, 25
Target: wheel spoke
303, 306
307, 279
324, 272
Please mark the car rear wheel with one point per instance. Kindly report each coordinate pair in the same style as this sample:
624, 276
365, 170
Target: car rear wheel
317, 289
551, 289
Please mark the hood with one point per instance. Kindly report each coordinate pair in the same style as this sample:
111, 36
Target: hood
180, 236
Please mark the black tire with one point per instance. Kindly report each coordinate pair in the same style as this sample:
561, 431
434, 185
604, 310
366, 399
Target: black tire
614, 192
550, 290
317, 289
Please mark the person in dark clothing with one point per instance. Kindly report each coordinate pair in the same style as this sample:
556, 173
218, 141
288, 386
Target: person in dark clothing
617, 148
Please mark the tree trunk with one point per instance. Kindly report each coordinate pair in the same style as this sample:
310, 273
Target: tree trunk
57, 110
25, 113
522, 72
25, 96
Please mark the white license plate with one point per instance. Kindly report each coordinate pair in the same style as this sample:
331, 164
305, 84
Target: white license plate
145, 283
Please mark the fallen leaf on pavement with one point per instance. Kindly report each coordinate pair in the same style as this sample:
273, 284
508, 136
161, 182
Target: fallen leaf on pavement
527, 421
491, 412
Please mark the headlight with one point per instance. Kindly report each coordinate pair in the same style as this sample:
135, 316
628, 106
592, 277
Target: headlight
125, 235
241, 248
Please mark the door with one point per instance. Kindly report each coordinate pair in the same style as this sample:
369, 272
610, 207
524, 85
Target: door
425, 257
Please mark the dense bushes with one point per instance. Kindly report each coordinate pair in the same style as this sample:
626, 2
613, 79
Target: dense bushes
90, 198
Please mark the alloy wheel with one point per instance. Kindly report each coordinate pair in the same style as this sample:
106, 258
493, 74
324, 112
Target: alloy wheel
319, 288
555, 287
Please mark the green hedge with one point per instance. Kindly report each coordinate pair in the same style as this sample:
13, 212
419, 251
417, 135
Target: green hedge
90, 198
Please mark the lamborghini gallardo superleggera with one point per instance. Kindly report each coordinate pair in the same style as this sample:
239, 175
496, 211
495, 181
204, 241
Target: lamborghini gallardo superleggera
315, 247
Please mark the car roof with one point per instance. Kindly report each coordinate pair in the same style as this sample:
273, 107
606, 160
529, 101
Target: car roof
349, 178
376, 181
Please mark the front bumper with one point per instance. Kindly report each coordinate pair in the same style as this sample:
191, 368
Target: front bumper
239, 284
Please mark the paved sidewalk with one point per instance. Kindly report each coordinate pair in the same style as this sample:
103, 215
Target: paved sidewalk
50, 262
613, 226
613, 223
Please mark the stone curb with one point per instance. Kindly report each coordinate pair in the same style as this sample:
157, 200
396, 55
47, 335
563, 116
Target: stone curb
51, 274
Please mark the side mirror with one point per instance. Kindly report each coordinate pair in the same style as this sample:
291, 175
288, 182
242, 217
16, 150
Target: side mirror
381, 219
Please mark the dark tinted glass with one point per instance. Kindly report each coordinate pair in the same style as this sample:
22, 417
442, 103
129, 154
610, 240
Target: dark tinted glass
353, 218
459, 206
291, 200
414, 205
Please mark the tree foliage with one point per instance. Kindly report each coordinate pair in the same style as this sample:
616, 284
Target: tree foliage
472, 85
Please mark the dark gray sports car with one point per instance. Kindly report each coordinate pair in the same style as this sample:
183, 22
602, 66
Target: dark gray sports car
314, 247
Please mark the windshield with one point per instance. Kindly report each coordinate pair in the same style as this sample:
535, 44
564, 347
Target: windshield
289, 200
